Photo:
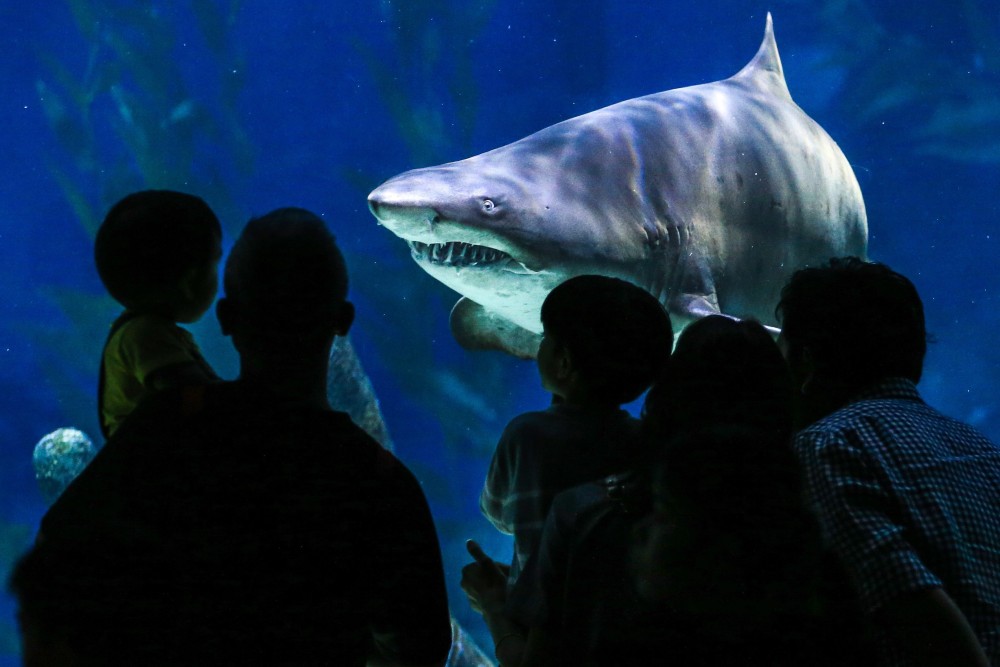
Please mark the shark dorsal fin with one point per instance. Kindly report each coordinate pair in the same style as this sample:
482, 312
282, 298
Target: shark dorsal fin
765, 70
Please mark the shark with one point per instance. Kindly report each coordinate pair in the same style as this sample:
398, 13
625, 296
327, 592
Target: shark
708, 196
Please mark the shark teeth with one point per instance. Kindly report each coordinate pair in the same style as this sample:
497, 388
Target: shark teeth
456, 253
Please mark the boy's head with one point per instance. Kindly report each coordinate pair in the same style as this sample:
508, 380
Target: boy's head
157, 252
616, 336
285, 279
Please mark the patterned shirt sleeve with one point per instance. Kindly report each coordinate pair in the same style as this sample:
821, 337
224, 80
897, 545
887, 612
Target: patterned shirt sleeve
498, 489
858, 517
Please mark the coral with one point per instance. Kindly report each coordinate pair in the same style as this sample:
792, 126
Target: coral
58, 458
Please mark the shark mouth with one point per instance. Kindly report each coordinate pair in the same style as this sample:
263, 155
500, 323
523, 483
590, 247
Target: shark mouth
456, 253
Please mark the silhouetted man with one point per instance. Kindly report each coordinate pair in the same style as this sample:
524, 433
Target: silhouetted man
908, 498
245, 522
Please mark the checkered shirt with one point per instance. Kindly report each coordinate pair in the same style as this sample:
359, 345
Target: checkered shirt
909, 499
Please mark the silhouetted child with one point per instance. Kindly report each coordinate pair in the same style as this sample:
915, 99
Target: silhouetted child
157, 253
604, 343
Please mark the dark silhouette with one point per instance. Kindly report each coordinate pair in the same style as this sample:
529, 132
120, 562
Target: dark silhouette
730, 563
722, 370
730, 570
906, 496
245, 522
157, 253
604, 342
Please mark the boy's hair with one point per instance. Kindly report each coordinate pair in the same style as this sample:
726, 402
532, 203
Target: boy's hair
617, 334
286, 272
149, 240
861, 321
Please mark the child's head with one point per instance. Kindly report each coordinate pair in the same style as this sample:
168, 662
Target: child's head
615, 336
157, 251
721, 370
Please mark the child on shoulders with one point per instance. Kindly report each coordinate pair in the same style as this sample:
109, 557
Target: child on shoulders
157, 253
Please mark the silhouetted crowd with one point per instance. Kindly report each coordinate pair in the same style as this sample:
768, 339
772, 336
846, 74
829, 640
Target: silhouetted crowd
789, 502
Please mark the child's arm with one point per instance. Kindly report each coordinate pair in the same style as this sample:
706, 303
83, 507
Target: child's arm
485, 584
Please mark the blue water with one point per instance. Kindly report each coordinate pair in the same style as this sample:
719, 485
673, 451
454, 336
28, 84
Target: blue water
274, 104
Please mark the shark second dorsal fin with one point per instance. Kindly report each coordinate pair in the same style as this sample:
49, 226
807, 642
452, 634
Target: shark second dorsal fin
764, 70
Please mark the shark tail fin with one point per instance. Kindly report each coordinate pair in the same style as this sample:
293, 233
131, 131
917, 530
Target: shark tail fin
765, 71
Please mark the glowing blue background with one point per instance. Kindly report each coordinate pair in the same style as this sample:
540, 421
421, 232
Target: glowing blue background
911, 93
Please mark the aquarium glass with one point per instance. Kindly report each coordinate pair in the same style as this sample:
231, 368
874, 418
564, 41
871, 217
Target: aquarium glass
255, 105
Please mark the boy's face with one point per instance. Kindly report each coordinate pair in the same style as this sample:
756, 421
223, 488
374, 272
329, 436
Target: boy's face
552, 365
199, 290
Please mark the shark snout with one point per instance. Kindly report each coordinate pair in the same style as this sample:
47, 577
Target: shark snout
389, 212
387, 205
390, 201
401, 214
374, 204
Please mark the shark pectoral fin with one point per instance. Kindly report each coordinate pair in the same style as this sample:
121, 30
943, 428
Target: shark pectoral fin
686, 308
476, 328
692, 293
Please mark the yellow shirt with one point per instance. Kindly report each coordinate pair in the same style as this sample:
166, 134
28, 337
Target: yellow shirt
144, 344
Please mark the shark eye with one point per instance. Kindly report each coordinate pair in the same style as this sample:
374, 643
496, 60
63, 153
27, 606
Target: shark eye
488, 205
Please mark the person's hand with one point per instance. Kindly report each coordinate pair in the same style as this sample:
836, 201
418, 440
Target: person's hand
484, 581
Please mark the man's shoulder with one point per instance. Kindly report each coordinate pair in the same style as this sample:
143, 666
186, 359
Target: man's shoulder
886, 408
532, 419
218, 414
883, 419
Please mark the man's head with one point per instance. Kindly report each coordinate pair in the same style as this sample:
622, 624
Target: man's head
850, 324
615, 336
157, 252
285, 283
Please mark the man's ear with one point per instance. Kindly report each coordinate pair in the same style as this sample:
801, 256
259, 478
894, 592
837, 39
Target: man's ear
805, 370
344, 319
225, 315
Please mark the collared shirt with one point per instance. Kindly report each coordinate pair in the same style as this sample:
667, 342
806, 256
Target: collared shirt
543, 453
909, 499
